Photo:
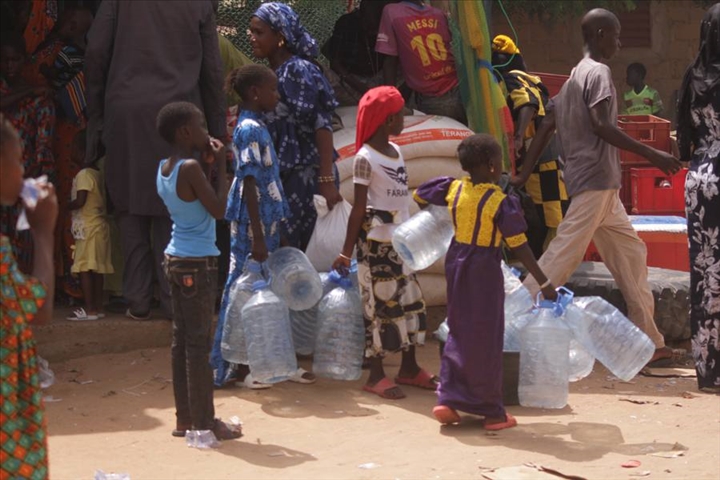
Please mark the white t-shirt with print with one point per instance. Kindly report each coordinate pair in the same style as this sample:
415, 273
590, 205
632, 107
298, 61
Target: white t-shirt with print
387, 182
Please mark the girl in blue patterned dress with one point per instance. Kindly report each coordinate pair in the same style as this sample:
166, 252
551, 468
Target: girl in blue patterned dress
301, 125
256, 207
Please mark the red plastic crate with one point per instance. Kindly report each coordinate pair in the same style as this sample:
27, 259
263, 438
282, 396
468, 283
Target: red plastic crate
552, 81
626, 183
664, 250
655, 193
648, 129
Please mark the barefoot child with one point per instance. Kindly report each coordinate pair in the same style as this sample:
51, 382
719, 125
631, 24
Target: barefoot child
484, 217
24, 299
191, 260
256, 206
91, 259
394, 306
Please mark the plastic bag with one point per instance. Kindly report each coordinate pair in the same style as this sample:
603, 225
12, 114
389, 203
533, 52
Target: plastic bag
329, 235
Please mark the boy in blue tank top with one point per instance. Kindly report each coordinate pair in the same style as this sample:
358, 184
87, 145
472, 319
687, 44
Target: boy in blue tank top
191, 260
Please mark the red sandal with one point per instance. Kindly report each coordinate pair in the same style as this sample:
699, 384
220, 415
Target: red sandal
423, 379
445, 415
382, 387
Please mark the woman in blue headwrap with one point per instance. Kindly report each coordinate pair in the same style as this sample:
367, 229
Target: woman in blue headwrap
301, 125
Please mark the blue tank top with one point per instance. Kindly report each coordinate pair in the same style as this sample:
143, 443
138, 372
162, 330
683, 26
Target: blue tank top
193, 231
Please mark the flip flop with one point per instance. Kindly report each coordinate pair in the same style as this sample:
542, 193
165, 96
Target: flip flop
445, 415
381, 387
508, 423
250, 383
80, 315
423, 379
677, 354
299, 377
179, 433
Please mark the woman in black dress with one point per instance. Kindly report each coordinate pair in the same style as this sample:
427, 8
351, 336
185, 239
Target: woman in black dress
699, 142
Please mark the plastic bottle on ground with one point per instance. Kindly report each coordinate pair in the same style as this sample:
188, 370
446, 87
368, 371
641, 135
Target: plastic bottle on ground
544, 359
233, 345
424, 238
268, 336
293, 278
581, 363
609, 336
341, 332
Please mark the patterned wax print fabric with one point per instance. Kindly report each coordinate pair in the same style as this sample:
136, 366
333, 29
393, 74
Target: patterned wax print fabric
483, 217
283, 19
23, 441
702, 202
306, 105
34, 120
254, 156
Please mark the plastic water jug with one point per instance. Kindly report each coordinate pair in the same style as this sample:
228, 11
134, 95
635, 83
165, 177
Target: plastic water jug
268, 337
294, 279
609, 336
581, 362
518, 300
518, 303
232, 346
424, 238
341, 332
304, 323
442, 332
544, 356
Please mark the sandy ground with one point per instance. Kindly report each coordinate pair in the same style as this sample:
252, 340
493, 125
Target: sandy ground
115, 413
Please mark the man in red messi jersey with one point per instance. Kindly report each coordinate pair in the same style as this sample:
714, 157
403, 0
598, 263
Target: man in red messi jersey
417, 36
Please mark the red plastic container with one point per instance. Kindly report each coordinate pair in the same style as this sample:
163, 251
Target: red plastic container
648, 129
654, 193
552, 81
664, 250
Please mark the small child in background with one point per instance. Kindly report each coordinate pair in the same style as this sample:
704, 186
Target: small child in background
92, 256
73, 27
256, 205
394, 306
191, 262
641, 99
471, 373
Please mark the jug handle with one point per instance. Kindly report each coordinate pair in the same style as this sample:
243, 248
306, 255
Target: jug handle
565, 296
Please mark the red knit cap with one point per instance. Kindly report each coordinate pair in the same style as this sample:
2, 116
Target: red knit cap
375, 107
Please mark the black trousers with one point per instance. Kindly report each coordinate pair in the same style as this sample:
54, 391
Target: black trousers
193, 287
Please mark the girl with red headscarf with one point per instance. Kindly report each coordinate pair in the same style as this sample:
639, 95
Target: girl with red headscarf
394, 306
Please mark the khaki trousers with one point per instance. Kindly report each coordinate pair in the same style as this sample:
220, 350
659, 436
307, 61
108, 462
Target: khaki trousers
599, 215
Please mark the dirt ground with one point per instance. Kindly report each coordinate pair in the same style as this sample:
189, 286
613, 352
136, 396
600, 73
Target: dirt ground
115, 413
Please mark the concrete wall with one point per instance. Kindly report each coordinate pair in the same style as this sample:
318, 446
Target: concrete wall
556, 48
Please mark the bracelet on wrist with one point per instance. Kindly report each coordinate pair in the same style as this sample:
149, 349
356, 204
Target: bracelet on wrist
345, 257
546, 284
326, 179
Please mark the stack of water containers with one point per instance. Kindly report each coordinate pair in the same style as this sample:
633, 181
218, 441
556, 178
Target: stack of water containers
257, 326
326, 311
558, 341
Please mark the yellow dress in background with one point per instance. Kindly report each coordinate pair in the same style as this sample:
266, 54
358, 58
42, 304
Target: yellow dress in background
90, 227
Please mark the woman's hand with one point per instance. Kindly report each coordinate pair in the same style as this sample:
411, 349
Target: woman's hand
43, 216
341, 264
330, 192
